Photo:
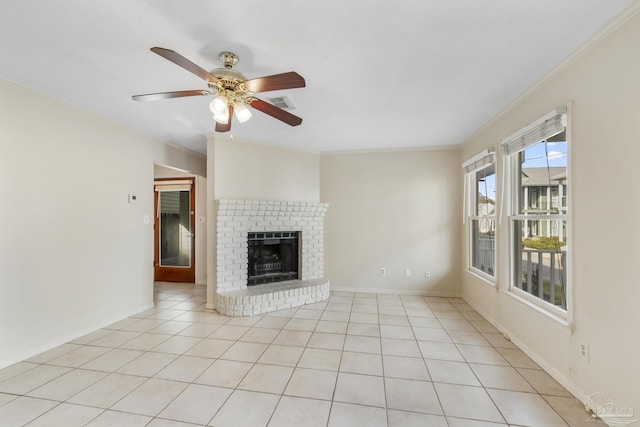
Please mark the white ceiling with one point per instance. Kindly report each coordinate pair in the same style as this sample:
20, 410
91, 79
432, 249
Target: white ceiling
379, 74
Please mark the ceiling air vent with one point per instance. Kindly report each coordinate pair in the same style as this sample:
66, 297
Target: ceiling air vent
282, 102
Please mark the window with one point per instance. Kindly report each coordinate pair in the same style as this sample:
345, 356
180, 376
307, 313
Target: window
536, 158
480, 188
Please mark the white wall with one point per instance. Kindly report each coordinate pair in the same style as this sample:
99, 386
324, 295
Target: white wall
394, 210
200, 194
245, 170
174, 157
604, 86
74, 254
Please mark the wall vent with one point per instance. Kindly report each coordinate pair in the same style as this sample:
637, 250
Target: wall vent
282, 102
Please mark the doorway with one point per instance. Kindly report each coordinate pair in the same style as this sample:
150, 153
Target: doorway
174, 230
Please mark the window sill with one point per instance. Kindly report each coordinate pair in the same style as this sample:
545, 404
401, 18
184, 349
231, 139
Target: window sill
559, 320
485, 278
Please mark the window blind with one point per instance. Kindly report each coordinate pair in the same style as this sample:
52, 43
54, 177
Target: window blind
173, 185
549, 125
479, 161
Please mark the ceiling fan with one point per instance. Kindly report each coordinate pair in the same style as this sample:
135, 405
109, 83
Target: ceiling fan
233, 92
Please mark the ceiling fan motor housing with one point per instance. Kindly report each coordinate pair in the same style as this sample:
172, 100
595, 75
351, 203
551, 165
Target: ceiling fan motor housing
229, 80
229, 59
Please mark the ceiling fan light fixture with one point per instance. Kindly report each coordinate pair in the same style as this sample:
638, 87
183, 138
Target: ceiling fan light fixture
220, 105
242, 112
221, 118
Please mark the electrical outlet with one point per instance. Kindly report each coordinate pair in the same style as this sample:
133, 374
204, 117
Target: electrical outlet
427, 275
583, 349
407, 272
383, 271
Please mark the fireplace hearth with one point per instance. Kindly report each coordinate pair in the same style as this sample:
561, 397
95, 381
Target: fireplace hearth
272, 257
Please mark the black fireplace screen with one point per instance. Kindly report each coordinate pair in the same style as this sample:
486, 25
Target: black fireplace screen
273, 257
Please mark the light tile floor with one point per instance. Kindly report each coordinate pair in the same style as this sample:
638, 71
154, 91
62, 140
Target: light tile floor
355, 360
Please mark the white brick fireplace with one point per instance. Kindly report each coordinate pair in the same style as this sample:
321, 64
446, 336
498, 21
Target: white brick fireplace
235, 220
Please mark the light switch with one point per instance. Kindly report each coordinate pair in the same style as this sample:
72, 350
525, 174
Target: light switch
145, 219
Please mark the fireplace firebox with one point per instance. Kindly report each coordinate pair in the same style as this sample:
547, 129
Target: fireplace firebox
272, 257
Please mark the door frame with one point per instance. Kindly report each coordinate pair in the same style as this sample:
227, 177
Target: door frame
174, 274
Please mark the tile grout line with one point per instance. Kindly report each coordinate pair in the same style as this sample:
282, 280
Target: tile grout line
191, 299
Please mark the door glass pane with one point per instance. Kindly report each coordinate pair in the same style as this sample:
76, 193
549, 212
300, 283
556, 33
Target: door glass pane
175, 228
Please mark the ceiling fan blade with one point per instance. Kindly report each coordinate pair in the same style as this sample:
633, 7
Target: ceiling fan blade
183, 62
225, 127
273, 111
288, 80
168, 95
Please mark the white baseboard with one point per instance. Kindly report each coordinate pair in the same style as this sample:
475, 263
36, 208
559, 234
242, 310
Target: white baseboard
72, 336
555, 374
394, 291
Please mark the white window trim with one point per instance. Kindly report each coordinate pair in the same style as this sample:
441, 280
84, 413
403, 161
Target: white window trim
480, 161
522, 139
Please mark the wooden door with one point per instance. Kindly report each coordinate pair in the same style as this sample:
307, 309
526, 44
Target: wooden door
174, 230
